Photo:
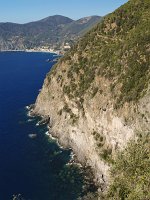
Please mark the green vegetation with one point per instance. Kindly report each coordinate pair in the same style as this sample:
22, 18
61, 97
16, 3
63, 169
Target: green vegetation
117, 49
131, 172
104, 152
94, 92
100, 140
66, 109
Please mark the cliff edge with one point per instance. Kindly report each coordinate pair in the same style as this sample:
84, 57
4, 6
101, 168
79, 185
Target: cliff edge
97, 95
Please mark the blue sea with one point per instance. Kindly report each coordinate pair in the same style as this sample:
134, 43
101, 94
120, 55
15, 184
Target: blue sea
36, 168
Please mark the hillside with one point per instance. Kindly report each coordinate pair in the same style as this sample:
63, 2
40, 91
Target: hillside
51, 31
97, 97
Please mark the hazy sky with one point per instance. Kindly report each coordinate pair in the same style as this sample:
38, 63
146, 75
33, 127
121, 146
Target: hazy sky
22, 11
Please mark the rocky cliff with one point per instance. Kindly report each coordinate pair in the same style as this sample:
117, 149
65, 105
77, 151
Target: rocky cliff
98, 94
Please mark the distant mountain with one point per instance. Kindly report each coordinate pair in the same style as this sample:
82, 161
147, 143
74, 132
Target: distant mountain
80, 26
51, 31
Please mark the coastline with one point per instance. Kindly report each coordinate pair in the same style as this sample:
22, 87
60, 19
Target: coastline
32, 51
90, 183
89, 176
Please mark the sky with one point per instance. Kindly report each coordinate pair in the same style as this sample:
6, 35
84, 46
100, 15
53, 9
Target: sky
23, 11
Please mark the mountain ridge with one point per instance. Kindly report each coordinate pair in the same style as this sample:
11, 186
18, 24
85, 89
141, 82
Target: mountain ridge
50, 31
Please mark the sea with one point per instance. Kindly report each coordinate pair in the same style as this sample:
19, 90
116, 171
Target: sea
31, 168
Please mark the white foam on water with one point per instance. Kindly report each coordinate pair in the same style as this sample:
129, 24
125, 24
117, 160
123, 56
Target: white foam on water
37, 124
30, 120
50, 135
27, 107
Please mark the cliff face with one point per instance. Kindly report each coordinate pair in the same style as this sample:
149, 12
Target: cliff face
97, 95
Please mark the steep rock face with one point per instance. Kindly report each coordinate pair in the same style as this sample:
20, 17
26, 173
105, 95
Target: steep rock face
97, 95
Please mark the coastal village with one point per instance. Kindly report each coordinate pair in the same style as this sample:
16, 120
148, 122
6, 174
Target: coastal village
58, 49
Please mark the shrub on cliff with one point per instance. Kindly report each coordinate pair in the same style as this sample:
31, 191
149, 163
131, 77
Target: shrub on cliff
131, 172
